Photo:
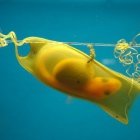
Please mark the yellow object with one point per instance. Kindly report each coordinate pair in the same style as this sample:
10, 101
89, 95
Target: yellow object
70, 71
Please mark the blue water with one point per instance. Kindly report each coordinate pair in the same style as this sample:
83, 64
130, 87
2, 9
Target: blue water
29, 110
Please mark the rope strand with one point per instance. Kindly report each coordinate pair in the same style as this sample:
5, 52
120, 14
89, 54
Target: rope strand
11, 38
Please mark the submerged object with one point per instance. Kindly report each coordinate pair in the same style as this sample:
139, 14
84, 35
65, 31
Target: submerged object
77, 74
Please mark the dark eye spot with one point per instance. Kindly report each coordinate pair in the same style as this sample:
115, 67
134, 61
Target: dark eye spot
106, 92
78, 82
117, 116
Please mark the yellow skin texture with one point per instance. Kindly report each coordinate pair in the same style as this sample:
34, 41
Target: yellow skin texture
69, 70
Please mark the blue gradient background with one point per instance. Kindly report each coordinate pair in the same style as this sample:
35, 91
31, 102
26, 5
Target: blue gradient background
29, 110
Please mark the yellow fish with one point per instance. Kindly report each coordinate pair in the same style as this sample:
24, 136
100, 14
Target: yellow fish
69, 70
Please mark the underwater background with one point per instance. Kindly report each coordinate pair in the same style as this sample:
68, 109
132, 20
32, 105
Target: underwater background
30, 110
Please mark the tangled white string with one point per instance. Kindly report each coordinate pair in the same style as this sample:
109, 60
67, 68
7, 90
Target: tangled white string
128, 55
